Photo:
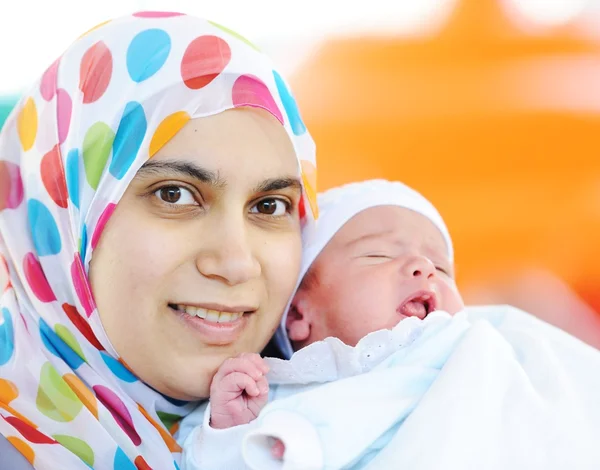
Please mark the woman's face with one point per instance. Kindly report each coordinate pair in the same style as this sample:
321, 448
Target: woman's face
203, 251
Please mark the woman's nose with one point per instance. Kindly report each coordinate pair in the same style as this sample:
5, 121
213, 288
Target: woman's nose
228, 255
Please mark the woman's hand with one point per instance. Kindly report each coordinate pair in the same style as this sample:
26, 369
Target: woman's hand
239, 390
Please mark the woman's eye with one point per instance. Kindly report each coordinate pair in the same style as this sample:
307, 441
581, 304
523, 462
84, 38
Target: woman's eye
272, 207
175, 195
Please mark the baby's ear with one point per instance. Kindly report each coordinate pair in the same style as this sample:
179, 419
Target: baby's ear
297, 323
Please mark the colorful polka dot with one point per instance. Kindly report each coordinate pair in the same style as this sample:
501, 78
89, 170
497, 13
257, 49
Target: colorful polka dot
204, 60
165, 131
235, 34
141, 464
11, 186
77, 446
122, 462
47, 335
169, 441
64, 108
83, 241
44, 231
8, 391
175, 428
156, 14
129, 138
28, 431
82, 325
80, 281
48, 82
301, 209
147, 53
34, 273
59, 347
168, 419
16, 414
27, 124
23, 448
83, 393
95, 72
102, 220
290, 105
97, 146
248, 90
53, 177
119, 411
7, 340
63, 333
309, 178
118, 369
72, 176
5, 268
55, 399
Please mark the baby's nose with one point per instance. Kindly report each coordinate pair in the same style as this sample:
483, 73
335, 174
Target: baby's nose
420, 266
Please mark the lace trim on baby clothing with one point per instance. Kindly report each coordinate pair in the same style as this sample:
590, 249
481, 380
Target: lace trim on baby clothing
331, 359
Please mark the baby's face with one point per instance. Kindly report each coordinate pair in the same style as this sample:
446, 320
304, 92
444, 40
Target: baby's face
387, 263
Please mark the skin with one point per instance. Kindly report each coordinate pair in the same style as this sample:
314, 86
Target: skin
210, 221
375, 263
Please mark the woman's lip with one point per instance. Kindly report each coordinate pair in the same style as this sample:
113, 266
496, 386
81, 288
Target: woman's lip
217, 334
217, 307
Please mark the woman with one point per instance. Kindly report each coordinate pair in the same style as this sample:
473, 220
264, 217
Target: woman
150, 217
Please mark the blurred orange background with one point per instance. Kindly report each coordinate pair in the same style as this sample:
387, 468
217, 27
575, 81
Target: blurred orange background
490, 108
499, 126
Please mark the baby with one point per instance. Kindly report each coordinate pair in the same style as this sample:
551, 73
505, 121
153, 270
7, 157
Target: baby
380, 254
390, 371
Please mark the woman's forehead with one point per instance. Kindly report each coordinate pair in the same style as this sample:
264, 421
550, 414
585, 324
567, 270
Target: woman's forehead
236, 145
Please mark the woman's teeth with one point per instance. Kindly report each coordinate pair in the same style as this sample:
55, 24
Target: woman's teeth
213, 316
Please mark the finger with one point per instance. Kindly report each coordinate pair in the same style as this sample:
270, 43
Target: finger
263, 386
238, 382
240, 364
260, 363
255, 358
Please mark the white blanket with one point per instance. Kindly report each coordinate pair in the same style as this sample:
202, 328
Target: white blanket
491, 388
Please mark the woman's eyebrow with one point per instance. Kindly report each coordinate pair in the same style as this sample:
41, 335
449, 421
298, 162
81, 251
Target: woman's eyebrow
178, 167
277, 184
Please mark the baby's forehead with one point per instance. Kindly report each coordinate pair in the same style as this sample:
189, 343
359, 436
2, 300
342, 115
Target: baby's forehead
391, 224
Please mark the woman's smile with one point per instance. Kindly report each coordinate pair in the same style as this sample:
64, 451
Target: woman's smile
215, 324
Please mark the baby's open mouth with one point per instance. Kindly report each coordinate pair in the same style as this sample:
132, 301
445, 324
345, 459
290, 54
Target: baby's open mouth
418, 305
210, 315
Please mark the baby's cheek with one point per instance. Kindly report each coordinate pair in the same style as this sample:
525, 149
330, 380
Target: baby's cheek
452, 300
